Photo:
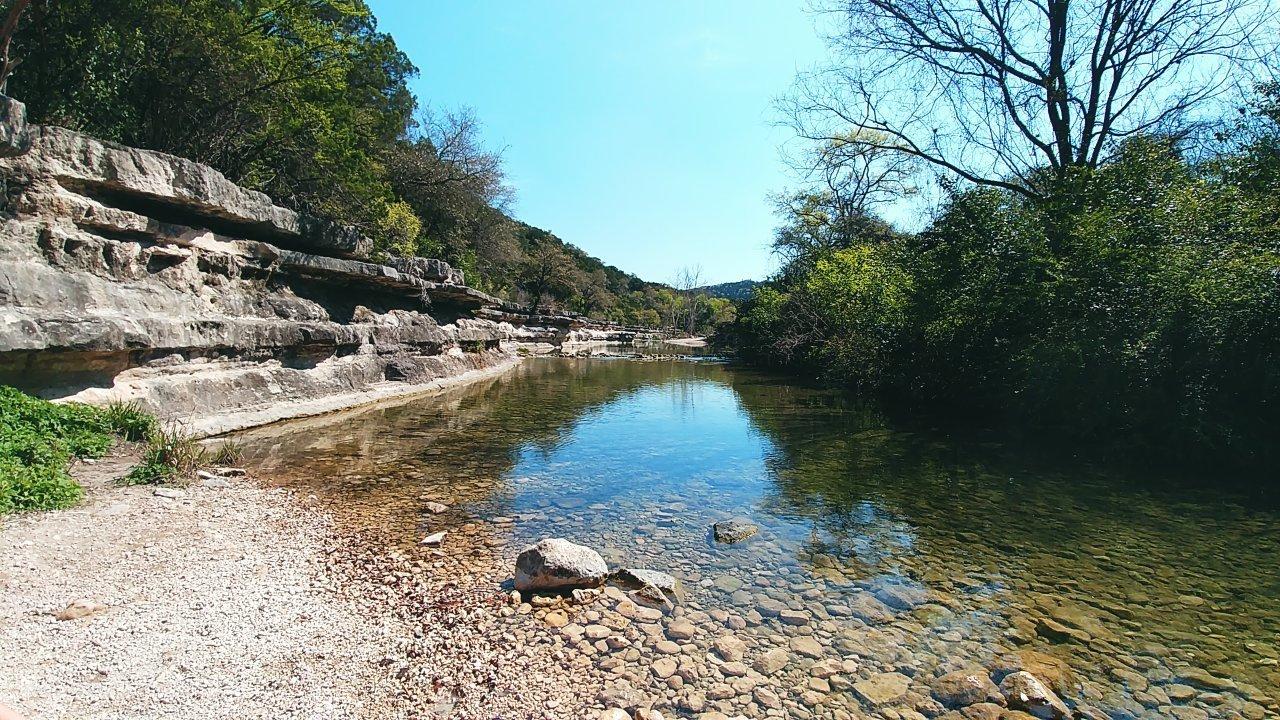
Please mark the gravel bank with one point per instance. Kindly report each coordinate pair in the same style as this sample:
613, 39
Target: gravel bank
215, 607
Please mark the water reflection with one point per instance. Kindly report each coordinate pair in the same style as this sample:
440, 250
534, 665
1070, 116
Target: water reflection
914, 553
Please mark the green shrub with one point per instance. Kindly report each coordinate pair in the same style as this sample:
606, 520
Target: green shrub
35, 487
171, 455
1137, 309
38, 439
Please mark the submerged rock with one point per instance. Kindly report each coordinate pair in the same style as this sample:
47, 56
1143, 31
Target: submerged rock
556, 563
639, 578
966, 687
882, 688
653, 597
1024, 691
734, 530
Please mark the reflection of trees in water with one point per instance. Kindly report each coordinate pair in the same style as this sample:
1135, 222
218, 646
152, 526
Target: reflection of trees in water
833, 458
459, 445
883, 500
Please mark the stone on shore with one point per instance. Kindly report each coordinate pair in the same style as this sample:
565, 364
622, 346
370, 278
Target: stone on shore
77, 609
556, 563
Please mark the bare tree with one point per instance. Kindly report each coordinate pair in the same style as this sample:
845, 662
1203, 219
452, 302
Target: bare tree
445, 154
7, 31
1018, 93
689, 281
853, 174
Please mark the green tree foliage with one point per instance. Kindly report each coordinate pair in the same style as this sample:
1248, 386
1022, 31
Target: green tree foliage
298, 98
1140, 307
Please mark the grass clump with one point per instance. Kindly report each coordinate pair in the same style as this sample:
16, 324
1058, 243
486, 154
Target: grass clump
39, 438
171, 455
228, 453
174, 456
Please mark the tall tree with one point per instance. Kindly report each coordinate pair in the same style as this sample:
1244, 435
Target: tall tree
546, 270
997, 91
297, 98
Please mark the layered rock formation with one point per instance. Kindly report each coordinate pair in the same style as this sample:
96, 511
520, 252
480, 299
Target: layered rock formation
550, 333
135, 275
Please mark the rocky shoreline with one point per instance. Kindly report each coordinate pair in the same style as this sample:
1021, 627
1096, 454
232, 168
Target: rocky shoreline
204, 601
231, 599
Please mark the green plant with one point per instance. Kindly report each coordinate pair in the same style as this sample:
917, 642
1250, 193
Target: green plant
130, 421
38, 438
228, 453
171, 455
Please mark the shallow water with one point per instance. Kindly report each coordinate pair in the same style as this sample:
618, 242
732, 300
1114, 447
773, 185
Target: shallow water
921, 553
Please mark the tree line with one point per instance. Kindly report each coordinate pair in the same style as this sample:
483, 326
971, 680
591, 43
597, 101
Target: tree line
309, 102
1099, 254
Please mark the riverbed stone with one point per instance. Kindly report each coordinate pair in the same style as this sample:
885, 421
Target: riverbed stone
556, 563
682, 630
664, 667
902, 597
807, 646
729, 647
867, 608
882, 688
793, 617
1024, 691
639, 578
727, 583
771, 661
734, 530
966, 687
1200, 678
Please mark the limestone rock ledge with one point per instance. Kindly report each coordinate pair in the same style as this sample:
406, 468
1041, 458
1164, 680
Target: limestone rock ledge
127, 274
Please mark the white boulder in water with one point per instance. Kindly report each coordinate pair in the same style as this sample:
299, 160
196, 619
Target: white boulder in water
555, 563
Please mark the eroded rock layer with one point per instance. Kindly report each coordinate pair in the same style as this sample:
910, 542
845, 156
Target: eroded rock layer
128, 274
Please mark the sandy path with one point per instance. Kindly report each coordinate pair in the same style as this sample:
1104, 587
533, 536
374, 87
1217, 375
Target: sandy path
216, 608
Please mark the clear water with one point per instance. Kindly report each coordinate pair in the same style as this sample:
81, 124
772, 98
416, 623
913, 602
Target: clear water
1154, 581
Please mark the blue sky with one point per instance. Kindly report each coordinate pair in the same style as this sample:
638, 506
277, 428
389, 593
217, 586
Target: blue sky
641, 132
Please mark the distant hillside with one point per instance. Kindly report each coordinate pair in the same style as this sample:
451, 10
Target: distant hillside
740, 290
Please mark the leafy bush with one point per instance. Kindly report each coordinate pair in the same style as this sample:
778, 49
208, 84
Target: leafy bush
38, 439
1139, 308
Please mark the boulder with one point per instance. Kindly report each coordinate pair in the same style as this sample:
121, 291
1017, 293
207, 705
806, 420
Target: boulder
966, 687
639, 578
556, 563
1024, 691
13, 127
882, 688
734, 530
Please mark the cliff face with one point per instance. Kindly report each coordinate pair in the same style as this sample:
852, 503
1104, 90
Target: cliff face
134, 275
